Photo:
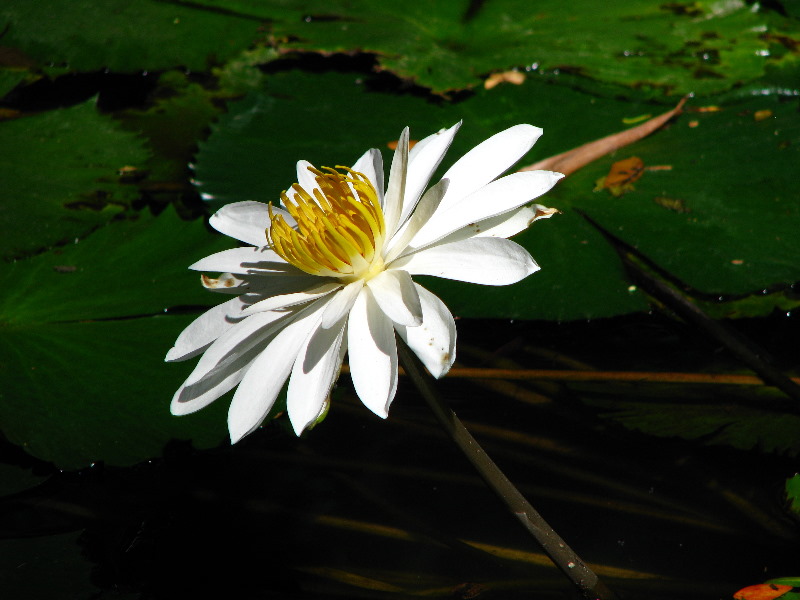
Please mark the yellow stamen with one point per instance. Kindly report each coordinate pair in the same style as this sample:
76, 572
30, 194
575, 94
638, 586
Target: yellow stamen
340, 229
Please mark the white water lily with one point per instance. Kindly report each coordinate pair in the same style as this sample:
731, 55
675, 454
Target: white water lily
329, 273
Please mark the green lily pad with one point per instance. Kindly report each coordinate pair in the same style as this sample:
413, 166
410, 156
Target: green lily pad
43, 564
14, 478
124, 36
11, 78
83, 333
721, 423
754, 305
793, 496
669, 48
793, 581
62, 177
732, 173
178, 118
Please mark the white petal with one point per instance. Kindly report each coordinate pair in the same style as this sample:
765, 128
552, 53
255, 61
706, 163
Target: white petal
306, 179
485, 260
222, 366
372, 354
287, 300
341, 303
434, 342
267, 284
397, 297
371, 165
513, 222
496, 198
414, 151
204, 330
393, 202
313, 376
238, 340
422, 165
488, 160
246, 221
191, 397
244, 261
263, 381
501, 226
425, 209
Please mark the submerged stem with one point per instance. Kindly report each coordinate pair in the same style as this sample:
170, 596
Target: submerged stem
562, 555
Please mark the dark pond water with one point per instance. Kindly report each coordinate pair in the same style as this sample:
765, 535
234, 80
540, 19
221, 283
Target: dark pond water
364, 508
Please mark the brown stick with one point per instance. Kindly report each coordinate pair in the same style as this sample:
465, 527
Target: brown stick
622, 376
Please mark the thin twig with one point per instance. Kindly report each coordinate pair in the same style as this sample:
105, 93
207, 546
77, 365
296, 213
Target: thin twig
562, 555
614, 376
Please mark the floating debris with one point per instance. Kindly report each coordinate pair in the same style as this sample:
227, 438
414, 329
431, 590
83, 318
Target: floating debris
621, 176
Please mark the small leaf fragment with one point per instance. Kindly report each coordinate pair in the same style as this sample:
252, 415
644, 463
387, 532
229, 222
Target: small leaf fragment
761, 115
495, 79
635, 120
393, 144
674, 204
762, 591
621, 176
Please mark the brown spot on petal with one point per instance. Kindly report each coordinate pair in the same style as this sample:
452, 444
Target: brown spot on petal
542, 212
224, 281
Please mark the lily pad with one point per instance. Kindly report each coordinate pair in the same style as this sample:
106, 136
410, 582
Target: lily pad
732, 173
793, 496
720, 423
15, 478
737, 232
11, 78
124, 36
177, 119
82, 339
63, 177
669, 48
43, 564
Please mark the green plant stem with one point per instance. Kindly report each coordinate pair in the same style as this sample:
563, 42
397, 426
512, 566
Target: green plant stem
556, 548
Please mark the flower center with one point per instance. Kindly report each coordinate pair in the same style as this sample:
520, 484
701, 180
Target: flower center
340, 228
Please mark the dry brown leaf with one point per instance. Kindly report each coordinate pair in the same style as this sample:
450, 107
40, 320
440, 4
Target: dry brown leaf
572, 160
621, 176
762, 591
625, 171
393, 144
